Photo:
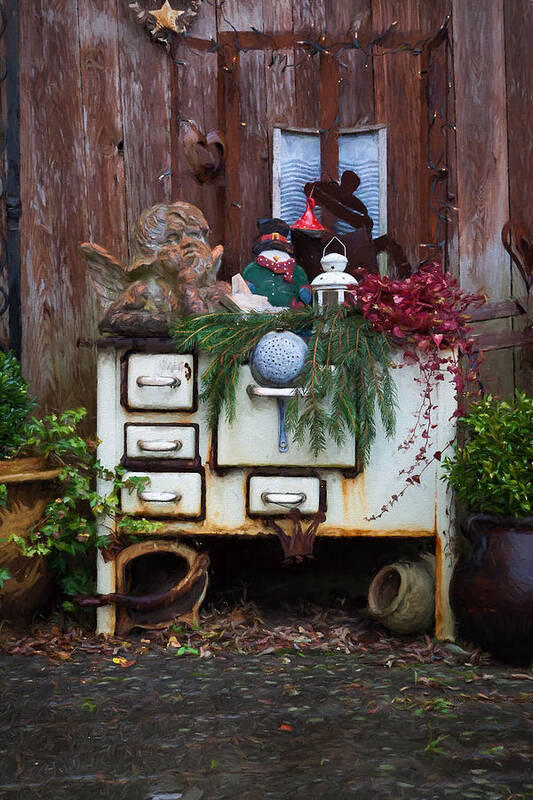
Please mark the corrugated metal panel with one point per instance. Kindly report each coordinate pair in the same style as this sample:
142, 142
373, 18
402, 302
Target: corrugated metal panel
300, 163
360, 153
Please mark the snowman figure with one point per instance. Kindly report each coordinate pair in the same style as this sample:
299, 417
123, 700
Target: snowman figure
274, 273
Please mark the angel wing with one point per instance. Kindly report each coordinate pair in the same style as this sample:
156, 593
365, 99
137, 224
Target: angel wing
106, 273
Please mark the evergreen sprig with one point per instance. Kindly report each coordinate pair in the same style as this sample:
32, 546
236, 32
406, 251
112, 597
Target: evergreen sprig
346, 373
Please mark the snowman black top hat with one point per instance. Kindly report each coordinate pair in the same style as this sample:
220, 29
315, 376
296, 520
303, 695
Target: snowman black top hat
273, 235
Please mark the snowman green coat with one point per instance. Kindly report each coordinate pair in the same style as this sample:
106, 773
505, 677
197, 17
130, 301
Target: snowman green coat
275, 287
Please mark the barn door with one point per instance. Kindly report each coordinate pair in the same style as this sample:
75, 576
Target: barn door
249, 68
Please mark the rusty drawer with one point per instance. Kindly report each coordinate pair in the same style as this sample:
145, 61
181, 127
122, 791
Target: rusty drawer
178, 495
279, 494
161, 442
159, 381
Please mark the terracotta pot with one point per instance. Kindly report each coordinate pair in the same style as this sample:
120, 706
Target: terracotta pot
402, 596
30, 489
491, 591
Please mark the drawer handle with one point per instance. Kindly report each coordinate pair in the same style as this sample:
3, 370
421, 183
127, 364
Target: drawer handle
158, 380
284, 498
159, 445
160, 497
267, 391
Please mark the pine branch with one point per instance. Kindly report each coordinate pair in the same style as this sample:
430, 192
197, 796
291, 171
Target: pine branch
346, 371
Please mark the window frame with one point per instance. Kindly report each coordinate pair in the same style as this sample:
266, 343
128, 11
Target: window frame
277, 131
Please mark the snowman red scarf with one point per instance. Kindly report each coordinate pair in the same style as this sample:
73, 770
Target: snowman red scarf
285, 268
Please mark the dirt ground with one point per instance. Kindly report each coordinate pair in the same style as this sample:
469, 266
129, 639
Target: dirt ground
317, 704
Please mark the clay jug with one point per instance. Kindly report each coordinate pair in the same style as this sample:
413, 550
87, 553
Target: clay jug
402, 595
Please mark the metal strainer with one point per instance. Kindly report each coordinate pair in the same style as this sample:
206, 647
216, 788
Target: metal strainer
276, 361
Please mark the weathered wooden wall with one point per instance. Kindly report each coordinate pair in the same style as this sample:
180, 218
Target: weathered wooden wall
102, 108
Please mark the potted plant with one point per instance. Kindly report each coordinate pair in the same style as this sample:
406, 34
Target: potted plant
48, 501
25, 490
492, 474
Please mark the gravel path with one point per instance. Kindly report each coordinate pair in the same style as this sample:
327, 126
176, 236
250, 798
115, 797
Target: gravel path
277, 725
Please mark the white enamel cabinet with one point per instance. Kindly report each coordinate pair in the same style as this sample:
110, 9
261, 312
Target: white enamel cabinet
229, 481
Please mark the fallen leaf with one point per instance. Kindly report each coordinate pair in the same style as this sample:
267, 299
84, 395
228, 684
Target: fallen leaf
123, 662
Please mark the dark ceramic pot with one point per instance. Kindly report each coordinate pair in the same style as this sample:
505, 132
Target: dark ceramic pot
491, 592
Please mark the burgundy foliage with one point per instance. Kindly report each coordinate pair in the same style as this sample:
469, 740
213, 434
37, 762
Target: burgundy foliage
427, 309
426, 314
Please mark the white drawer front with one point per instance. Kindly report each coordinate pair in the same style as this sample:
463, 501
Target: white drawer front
278, 494
168, 494
161, 441
160, 381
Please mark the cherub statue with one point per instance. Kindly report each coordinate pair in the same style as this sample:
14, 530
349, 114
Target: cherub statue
172, 272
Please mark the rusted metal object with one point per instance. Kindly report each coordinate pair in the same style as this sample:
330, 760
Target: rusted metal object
238, 480
519, 244
205, 152
155, 600
342, 204
300, 543
158, 582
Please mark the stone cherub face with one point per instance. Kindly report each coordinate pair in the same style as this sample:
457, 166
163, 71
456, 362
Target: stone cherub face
172, 272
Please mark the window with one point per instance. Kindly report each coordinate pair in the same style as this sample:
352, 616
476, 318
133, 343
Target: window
297, 161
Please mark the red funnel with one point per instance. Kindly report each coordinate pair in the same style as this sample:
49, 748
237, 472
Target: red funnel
308, 222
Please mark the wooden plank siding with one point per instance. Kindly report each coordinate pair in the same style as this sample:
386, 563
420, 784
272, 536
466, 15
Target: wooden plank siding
482, 166
56, 299
194, 97
146, 113
519, 70
101, 122
4, 318
397, 93
103, 139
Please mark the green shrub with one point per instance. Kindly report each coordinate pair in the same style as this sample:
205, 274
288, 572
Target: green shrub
67, 533
493, 472
15, 404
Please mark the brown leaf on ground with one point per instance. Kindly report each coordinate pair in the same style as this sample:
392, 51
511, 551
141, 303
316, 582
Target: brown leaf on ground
245, 629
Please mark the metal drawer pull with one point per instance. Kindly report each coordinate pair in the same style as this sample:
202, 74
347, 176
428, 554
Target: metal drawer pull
284, 498
160, 497
158, 380
267, 391
159, 445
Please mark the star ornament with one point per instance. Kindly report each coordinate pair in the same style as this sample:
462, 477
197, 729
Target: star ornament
166, 18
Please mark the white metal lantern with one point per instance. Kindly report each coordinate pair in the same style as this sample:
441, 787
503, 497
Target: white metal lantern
329, 287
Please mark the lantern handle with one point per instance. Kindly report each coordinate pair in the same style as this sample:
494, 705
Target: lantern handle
330, 242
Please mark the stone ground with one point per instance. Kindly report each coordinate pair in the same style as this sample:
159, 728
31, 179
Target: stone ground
249, 708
